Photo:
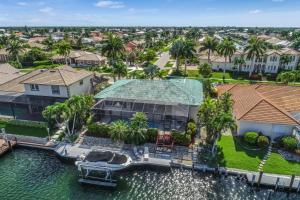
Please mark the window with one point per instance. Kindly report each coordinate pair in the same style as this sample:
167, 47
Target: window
81, 82
34, 87
55, 89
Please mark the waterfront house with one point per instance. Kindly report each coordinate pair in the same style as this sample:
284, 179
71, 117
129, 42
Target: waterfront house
273, 110
26, 96
168, 104
4, 56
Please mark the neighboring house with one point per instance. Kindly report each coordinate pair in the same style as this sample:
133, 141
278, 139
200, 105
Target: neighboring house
168, 104
4, 56
269, 109
8, 72
131, 46
270, 63
81, 59
26, 96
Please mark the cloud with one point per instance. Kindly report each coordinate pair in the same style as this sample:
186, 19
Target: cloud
257, 11
22, 3
110, 4
47, 10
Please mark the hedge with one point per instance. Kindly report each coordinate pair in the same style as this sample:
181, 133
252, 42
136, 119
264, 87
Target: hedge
181, 138
27, 128
44, 62
289, 143
251, 137
152, 134
98, 130
263, 141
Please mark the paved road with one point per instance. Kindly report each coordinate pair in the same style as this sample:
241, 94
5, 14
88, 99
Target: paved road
163, 60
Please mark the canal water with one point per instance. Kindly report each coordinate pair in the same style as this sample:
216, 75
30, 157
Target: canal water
32, 174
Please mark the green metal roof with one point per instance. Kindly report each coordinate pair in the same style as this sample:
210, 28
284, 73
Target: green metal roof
180, 91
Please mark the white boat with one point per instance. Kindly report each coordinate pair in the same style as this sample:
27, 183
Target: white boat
101, 161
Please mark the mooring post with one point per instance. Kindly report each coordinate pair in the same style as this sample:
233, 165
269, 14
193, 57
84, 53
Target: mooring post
9, 145
292, 182
259, 178
277, 182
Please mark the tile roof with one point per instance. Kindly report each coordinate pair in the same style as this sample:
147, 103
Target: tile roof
8, 72
64, 75
264, 103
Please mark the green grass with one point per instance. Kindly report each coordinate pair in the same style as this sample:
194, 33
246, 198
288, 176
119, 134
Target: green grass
232, 155
165, 72
26, 130
169, 64
193, 73
278, 165
220, 75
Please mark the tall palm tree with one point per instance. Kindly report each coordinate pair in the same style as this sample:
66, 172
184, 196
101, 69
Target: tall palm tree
209, 44
151, 71
226, 48
132, 57
255, 49
188, 52
63, 48
113, 47
14, 48
119, 130
177, 51
119, 69
284, 60
49, 42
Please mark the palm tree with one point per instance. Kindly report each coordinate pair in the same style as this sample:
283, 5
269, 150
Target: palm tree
119, 69
284, 60
205, 70
255, 49
14, 48
209, 44
132, 58
188, 52
119, 130
49, 42
113, 48
226, 48
138, 126
3, 41
177, 51
239, 62
193, 34
63, 48
151, 71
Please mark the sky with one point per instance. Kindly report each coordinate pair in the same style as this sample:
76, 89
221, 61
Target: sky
246, 13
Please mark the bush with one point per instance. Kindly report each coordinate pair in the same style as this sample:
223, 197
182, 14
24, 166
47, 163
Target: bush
27, 128
289, 143
251, 137
181, 138
99, 130
263, 141
191, 129
152, 134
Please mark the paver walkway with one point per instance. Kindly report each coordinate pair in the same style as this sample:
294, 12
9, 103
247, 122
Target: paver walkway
163, 60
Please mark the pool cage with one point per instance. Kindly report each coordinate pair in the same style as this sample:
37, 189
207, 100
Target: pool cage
162, 115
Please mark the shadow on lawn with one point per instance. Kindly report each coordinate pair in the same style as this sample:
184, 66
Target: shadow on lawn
241, 146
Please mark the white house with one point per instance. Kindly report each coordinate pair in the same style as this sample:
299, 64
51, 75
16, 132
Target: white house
269, 63
269, 109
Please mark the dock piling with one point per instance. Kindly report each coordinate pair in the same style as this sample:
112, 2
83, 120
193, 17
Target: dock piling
277, 182
259, 178
292, 182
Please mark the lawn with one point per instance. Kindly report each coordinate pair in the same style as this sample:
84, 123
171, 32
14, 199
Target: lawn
278, 165
232, 155
219, 75
193, 73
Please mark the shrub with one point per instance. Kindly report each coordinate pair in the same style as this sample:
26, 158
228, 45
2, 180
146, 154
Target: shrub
99, 130
263, 141
251, 137
152, 134
181, 138
289, 143
191, 128
43, 62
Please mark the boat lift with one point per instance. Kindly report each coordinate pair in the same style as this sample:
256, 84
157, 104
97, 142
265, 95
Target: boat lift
86, 177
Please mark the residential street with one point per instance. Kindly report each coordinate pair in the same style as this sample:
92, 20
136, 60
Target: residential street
163, 60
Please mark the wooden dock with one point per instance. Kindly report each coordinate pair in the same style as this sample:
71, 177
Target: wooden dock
6, 146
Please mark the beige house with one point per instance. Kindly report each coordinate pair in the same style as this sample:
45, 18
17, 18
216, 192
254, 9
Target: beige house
4, 56
8, 72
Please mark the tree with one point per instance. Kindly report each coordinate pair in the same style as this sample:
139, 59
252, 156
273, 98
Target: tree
35, 54
132, 57
113, 48
286, 77
193, 34
151, 71
226, 48
119, 130
63, 48
148, 56
205, 70
284, 60
148, 39
188, 52
216, 116
3, 41
209, 44
239, 61
14, 47
119, 69
49, 42
138, 128
255, 49
177, 51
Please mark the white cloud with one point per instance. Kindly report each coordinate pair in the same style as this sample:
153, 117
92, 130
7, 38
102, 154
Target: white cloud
257, 11
22, 3
47, 10
110, 4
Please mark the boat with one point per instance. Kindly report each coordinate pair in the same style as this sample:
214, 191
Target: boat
103, 161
